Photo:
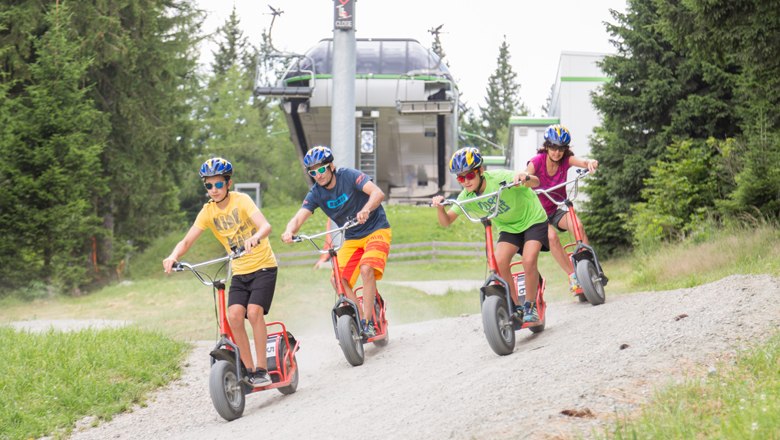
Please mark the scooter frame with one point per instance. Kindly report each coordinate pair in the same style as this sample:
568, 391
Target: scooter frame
229, 402
583, 257
498, 317
348, 330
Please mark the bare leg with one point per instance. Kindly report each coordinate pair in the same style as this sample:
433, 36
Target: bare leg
504, 253
260, 332
236, 314
564, 224
557, 250
369, 290
531, 250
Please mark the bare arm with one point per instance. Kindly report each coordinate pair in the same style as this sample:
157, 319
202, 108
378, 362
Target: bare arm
375, 197
445, 217
590, 164
263, 231
181, 248
295, 224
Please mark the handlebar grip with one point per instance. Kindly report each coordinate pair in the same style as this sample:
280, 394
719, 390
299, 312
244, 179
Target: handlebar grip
296, 239
177, 267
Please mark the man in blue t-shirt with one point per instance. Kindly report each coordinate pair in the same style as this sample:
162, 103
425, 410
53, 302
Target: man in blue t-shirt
344, 194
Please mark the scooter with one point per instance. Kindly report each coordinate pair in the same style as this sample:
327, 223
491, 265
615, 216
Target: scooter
346, 313
499, 320
583, 257
228, 384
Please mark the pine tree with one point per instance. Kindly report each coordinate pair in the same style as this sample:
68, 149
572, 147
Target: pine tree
144, 74
232, 45
502, 100
661, 92
51, 153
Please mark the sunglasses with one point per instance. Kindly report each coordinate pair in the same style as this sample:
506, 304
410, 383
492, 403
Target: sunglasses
218, 185
470, 175
320, 170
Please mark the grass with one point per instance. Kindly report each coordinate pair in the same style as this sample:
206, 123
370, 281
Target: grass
740, 401
51, 380
167, 311
735, 250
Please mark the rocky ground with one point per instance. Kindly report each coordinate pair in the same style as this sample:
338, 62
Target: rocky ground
439, 379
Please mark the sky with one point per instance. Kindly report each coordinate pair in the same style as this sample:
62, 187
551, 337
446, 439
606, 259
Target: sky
537, 32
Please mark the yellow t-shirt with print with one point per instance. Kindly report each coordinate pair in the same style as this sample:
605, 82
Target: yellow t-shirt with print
232, 226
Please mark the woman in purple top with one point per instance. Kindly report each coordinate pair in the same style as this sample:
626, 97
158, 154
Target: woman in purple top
551, 166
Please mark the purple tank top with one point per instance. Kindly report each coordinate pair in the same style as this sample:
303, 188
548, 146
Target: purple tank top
548, 181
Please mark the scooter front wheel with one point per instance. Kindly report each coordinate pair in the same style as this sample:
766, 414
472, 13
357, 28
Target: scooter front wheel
350, 340
226, 391
497, 324
590, 281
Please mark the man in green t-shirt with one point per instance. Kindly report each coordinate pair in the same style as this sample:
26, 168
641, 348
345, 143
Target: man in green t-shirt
521, 220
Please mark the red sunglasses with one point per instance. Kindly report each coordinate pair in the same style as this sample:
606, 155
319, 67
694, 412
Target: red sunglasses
470, 175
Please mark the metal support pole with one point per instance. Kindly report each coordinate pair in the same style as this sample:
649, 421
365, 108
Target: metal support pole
342, 123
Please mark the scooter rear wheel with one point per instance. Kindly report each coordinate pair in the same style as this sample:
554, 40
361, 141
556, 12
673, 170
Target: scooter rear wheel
226, 391
350, 340
289, 389
384, 341
497, 324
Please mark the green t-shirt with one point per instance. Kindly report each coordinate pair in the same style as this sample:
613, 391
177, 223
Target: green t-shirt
520, 206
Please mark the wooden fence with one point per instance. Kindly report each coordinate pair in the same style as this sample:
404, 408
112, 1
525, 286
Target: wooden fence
429, 250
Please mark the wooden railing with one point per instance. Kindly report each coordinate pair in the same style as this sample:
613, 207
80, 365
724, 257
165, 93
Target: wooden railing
430, 250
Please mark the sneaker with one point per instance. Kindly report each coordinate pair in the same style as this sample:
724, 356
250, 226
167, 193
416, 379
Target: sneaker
259, 378
574, 285
531, 313
368, 329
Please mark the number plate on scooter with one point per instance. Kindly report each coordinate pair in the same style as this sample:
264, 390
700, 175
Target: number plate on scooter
521, 287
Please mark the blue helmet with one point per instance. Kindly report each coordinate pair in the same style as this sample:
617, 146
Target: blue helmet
216, 166
557, 135
465, 159
317, 155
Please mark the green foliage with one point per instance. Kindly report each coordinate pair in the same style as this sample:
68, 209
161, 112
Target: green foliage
682, 186
51, 152
663, 90
54, 379
234, 125
502, 100
144, 72
757, 191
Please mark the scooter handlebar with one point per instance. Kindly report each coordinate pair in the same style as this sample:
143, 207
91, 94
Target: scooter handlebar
459, 203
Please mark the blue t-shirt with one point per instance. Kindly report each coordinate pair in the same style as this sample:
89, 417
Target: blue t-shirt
344, 201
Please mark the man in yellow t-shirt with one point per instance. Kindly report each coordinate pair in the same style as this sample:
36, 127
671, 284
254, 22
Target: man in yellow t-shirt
236, 221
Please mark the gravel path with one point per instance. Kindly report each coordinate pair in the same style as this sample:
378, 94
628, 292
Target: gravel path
440, 379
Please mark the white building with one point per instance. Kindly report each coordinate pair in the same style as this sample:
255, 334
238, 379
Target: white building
577, 78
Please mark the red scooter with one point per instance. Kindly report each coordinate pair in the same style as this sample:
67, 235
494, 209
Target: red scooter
583, 257
346, 313
498, 320
228, 385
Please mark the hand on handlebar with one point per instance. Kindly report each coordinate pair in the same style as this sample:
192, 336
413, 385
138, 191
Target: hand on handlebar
288, 237
168, 264
521, 177
437, 201
362, 215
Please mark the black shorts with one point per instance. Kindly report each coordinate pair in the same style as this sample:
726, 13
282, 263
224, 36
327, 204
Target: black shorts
556, 217
253, 288
537, 232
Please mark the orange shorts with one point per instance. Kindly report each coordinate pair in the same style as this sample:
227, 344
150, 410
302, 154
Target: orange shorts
370, 250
